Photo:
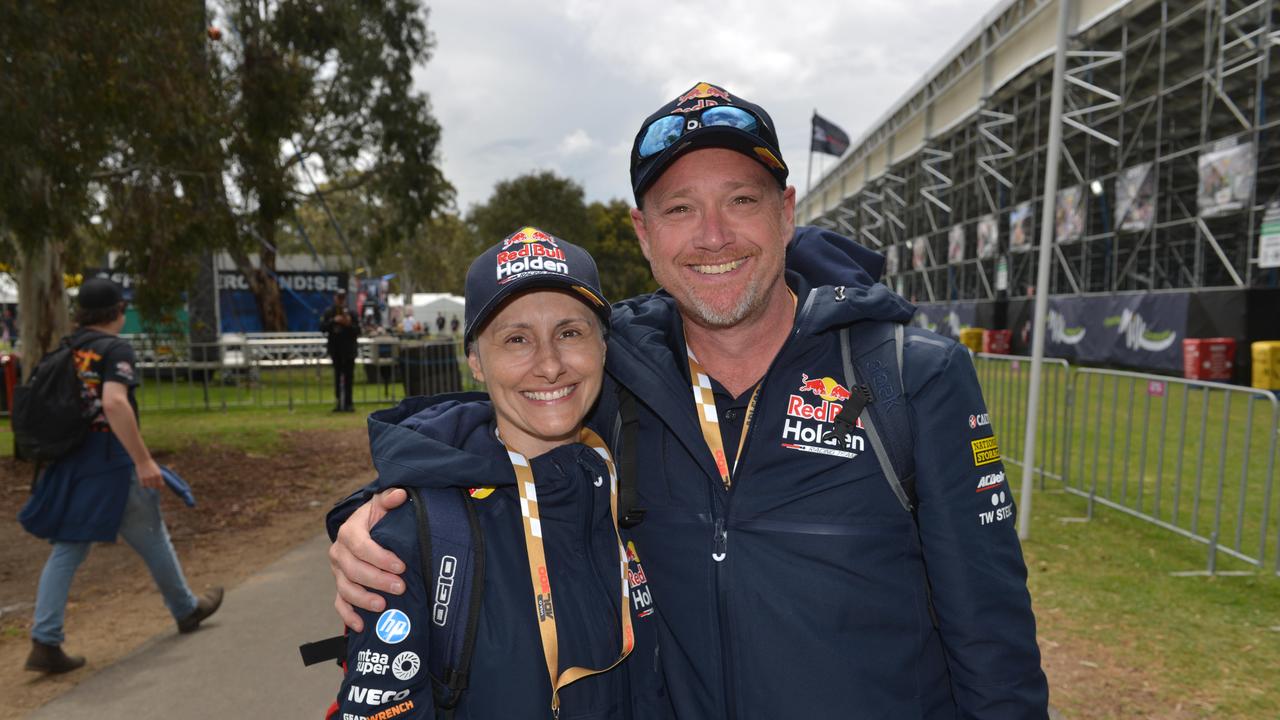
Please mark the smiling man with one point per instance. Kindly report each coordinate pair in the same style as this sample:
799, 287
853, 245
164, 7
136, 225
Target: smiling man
803, 568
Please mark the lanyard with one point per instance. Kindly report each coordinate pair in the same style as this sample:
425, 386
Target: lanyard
704, 402
541, 579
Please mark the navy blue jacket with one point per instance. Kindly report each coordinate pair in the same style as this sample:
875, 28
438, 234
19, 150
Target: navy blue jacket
81, 497
823, 600
449, 441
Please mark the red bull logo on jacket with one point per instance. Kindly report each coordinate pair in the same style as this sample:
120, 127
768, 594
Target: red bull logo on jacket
809, 426
530, 250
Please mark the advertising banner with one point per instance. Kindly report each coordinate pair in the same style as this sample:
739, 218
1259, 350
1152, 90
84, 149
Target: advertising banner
1269, 238
1138, 330
305, 296
946, 319
955, 245
919, 253
1226, 178
1069, 215
988, 236
1135, 198
1020, 227
891, 260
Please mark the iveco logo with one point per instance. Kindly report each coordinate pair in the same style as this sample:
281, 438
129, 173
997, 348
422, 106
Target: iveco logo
444, 590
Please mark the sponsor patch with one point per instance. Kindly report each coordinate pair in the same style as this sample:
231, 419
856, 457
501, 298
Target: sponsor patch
480, 493
979, 420
811, 412
530, 250
371, 662
393, 711
393, 626
641, 597
406, 665
374, 696
124, 370
990, 481
1002, 509
985, 451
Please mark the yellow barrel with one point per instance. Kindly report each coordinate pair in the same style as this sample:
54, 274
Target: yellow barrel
1266, 364
972, 338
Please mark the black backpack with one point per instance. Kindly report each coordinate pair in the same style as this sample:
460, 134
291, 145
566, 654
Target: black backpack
50, 416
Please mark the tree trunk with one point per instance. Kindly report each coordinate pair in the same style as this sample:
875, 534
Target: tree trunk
265, 289
42, 304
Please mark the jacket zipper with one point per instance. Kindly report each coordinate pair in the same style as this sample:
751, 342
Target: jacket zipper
720, 538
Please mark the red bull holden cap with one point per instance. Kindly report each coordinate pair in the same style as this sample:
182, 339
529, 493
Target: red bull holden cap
705, 116
529, 259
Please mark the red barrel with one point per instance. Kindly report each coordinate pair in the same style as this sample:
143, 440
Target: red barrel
996, 341
10, 363
1208, 358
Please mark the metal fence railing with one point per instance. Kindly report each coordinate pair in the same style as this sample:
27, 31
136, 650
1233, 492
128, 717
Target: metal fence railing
290, 370
1004, 381
1195, 458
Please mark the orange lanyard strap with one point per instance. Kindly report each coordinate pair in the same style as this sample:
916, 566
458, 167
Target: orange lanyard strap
704, 402
541, 579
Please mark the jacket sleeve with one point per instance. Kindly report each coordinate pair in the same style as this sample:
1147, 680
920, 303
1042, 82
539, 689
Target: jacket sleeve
971, 549
339, 513
386, 669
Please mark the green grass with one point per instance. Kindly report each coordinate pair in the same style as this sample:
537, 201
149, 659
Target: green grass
1106, 586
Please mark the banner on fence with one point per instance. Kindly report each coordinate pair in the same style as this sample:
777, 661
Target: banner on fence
305, 295
947, 320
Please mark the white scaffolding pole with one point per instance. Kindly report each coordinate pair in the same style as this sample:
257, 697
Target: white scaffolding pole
1052, 153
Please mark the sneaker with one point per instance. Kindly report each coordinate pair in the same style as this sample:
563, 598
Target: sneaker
205, 606
50, 659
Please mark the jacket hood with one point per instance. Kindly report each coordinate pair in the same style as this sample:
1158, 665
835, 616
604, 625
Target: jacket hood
438, 441
823, 257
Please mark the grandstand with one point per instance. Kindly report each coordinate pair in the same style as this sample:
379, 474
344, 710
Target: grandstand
1170, 161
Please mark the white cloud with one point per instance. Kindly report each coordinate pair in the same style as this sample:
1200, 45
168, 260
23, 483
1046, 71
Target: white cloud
522, 86
576, 142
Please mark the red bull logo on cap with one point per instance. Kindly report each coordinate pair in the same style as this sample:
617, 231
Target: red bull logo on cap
703, 91
530, 249
528, 235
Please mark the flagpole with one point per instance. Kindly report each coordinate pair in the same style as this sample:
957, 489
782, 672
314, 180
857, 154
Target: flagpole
809, 183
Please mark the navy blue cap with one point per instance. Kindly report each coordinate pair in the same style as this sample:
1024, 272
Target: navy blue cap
759, 143
525, 260
98, 293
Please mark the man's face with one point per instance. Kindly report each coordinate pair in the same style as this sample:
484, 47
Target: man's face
715, 229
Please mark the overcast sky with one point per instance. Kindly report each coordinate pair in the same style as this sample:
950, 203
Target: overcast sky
563, 85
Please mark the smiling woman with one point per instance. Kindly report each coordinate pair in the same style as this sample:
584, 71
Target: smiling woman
543, 490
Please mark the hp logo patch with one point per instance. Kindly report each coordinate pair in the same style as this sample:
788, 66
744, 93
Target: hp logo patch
393, 626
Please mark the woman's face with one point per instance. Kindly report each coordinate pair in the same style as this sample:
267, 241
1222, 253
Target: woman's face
541, 357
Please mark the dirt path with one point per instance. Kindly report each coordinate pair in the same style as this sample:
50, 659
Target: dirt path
251, 510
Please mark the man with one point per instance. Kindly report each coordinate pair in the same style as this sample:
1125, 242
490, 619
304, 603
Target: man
342, 334
793, 582
106, 487
440, 321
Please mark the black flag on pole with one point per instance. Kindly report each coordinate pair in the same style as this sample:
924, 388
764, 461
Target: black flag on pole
828, 137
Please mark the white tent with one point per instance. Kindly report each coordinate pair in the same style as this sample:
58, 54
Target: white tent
8, 289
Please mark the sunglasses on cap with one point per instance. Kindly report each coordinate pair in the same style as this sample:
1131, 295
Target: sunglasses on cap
665, 131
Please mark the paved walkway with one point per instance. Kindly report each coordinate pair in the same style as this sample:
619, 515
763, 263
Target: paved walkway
243, 662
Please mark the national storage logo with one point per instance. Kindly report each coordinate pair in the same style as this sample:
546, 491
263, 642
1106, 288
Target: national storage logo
985, 451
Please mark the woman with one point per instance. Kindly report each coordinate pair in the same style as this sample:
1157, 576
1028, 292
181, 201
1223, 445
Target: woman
555, 634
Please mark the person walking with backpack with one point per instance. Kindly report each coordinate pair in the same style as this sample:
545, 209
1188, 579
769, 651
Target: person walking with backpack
565, 623
106, 487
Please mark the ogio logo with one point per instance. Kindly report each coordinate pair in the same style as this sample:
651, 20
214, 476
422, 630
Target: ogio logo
444, 590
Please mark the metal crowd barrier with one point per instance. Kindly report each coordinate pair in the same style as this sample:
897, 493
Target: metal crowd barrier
288, 370
1196, 458
1004, 381
1193, 457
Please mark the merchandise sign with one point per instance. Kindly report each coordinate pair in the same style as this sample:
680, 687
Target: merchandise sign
304, 295
1269, 238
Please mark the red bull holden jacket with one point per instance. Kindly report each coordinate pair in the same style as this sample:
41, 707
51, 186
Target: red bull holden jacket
807, 591
449, 441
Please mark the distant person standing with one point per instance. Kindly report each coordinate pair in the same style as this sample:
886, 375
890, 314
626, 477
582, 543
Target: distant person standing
342, 332
406, 324
453, 325
106, 487
440, 323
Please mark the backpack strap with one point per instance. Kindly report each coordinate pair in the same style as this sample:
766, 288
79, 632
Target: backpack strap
625, 429
874, 354
452, 556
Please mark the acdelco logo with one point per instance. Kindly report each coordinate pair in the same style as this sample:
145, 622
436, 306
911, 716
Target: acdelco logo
444, 590
989, 481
